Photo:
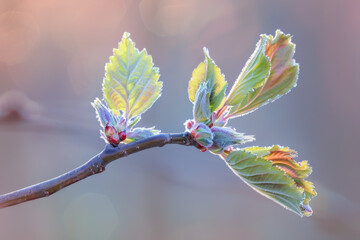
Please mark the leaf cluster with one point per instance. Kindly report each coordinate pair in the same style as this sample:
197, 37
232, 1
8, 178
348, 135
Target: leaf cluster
131, 86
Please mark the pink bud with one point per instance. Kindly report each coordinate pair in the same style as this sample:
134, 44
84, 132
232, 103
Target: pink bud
113, 141
201, 148
111, 135
189, 124
122, 136
109, 130
194, 134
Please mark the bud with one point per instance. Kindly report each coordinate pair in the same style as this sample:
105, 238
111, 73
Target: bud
112, 121
122, 136
202, 134
201, 148
111, 135
188, 124
140, 133
225, 137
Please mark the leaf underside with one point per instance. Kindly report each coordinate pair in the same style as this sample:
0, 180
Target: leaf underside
273, 173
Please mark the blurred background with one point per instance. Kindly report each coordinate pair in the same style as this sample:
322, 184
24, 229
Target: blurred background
52, 58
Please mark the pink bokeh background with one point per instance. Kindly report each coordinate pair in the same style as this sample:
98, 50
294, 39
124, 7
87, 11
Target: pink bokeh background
52, 58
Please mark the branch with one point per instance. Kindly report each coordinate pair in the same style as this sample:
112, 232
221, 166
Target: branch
95, 165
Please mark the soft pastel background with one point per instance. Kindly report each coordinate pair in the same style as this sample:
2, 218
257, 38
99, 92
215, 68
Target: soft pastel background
52, 57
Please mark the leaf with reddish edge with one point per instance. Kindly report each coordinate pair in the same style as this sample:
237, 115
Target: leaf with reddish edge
253, 75
281, 158
282, 78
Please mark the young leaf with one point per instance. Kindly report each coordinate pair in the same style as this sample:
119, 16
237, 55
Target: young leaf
253, 75
140, 133
283, 158
133, 121
201, 108
283, 76
131, 81
103, 114
207, 72
273, 173
224, 137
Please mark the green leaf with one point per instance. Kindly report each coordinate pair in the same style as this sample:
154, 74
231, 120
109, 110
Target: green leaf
272, 172
253, 75
133, 121
131, 81
140, 133
283, 76
201, 108
207, 72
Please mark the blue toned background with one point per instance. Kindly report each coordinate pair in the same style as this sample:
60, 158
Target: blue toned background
52, 58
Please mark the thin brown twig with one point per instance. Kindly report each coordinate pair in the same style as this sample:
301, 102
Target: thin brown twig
95, 165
